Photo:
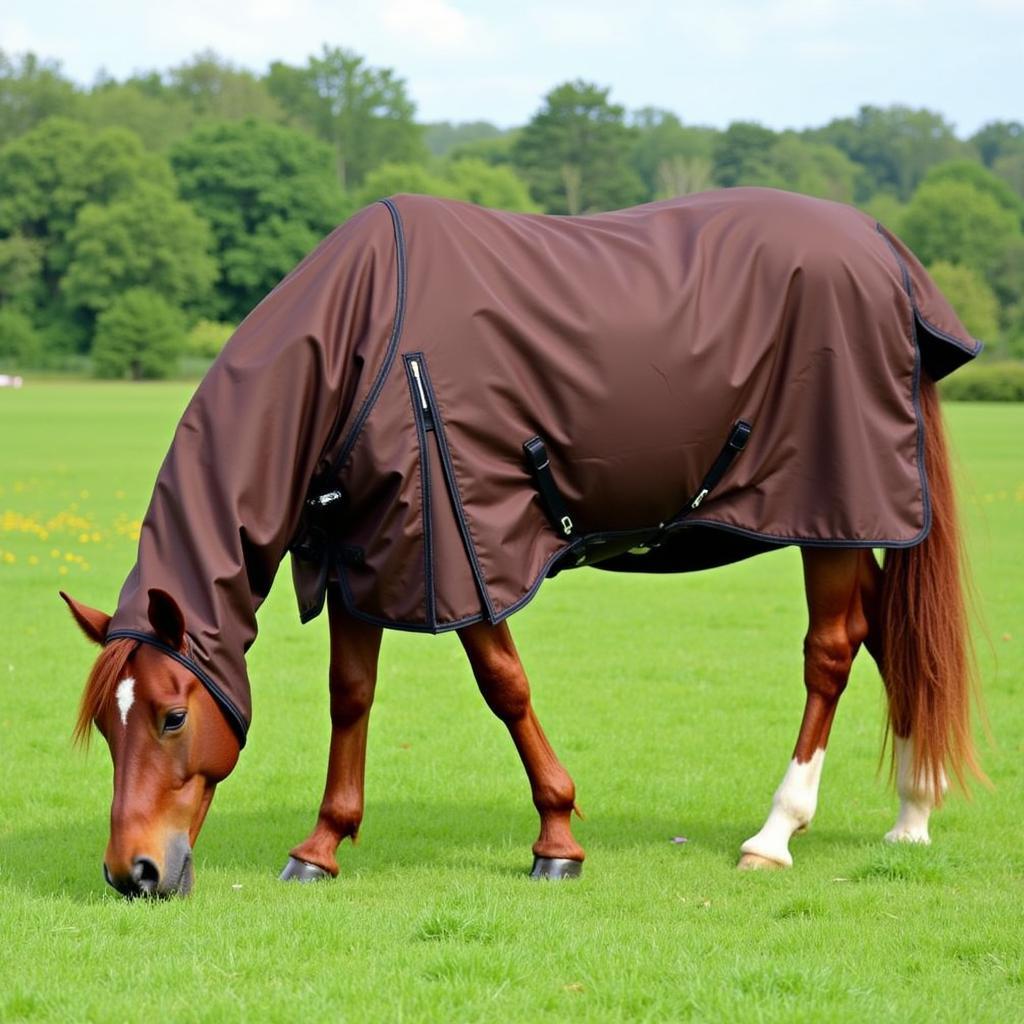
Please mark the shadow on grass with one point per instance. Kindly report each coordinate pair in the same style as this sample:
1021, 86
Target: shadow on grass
66, 858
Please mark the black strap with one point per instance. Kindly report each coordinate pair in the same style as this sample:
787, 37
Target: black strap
235, 717
540, 468
321, 522
737, 441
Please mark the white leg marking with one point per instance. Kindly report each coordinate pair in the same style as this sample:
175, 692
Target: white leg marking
125, 698
917, 798
793, 807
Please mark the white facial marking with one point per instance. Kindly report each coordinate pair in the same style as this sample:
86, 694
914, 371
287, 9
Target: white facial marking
917, 798
793, 806
125, 698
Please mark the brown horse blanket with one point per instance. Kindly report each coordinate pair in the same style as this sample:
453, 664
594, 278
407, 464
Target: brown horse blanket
443, 405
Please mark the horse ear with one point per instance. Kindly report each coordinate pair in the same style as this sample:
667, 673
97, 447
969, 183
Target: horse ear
93, 623
166, 618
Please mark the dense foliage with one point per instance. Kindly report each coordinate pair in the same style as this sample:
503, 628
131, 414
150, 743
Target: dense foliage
139, 335
187, 194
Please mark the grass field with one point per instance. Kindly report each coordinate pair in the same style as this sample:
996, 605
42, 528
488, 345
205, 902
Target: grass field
674, 703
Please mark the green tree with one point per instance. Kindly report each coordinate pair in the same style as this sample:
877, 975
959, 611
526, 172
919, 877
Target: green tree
269, 194
393, 179
158, 118
497, 151
21, 262
1007, 280
670, 158
997, 139
50, 173
20, 342
147, 239
216, 89
575, 152
207, 338
1010, 168
31, 90
363, 113
895, 145
139, 335
953, 222
812, 168
973, 300
742, 154
971, 173
470, 180
497, 187
887, 210
441, 137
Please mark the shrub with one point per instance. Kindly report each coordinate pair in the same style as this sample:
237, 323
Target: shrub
207, 338
985, 382
974, 302
140, 335
20, 342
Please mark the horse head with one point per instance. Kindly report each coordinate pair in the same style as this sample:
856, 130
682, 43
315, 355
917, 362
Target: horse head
170, 745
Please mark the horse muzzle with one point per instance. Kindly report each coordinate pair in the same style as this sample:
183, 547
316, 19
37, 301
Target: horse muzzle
145, 877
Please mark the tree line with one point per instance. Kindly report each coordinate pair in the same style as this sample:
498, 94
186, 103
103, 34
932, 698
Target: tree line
141, 219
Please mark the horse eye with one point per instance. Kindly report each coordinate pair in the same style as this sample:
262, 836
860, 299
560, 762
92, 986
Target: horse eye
174, 721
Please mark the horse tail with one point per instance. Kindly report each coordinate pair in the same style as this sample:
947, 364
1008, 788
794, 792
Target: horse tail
927, 661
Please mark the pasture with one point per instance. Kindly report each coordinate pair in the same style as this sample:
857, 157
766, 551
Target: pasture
673, 702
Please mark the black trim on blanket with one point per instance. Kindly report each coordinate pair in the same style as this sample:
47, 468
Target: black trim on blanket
389, 356
908, 287
234, 716
448, 627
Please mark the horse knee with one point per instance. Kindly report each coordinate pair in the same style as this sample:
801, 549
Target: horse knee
351, 695
828, 657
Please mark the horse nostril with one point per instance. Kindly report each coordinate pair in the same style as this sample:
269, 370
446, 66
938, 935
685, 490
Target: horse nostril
146, 875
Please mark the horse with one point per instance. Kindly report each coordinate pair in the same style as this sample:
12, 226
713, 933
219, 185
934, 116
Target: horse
431, 500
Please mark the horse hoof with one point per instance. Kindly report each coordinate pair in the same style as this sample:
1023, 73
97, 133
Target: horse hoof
300, 871
556, 867
755, 862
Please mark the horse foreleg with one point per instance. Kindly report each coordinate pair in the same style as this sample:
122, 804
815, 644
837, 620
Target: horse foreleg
355, 646
835, 582
502, 681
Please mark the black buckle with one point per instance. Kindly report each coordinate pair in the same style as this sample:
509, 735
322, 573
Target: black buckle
554, 507
322, 518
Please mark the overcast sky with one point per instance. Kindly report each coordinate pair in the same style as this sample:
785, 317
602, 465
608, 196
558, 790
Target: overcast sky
786, 63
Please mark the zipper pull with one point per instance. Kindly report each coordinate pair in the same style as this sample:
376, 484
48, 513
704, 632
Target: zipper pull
428, 418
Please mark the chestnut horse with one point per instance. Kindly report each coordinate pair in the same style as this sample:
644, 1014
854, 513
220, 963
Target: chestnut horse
171, 744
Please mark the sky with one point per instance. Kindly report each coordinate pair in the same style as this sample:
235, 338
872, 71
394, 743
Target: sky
785, 63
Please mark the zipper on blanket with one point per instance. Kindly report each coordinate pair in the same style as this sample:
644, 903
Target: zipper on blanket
424, 411
428, 417
424, 418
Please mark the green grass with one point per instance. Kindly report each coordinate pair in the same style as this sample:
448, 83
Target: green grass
674, 703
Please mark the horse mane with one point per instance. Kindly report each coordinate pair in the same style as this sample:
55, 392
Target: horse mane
100, 686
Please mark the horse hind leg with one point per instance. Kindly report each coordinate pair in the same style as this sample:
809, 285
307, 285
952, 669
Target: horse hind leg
355, 647
917, 797
502, 680
836, 581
